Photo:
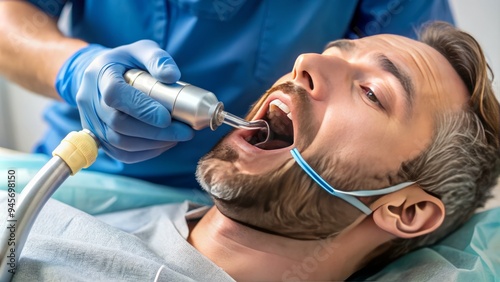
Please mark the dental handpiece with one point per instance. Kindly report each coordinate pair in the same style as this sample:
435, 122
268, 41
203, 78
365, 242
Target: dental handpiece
192, 105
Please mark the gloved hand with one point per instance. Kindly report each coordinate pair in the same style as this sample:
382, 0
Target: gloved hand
130, 126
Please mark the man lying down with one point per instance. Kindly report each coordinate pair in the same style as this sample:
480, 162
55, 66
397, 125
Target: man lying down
395, 144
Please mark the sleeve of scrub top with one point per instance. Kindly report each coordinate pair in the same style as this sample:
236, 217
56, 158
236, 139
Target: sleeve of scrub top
403, 17
51, 7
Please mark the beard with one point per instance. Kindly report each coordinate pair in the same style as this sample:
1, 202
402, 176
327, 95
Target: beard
285, 201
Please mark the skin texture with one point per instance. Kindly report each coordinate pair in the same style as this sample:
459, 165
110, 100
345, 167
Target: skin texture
340, 121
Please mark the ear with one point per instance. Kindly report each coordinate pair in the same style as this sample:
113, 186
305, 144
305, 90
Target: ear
409, 213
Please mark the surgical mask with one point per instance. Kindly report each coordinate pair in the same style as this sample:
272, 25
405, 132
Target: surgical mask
348, 196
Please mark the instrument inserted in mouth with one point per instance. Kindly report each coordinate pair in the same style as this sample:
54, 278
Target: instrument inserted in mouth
192, 105
238, 122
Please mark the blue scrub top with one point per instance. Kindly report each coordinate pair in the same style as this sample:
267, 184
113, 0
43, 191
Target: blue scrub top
233, 48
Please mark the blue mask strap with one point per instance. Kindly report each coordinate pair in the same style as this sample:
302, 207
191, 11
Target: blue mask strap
348, 196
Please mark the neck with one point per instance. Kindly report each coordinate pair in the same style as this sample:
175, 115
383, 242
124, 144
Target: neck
249, 254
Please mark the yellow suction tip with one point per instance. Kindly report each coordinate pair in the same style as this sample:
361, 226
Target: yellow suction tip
78, 150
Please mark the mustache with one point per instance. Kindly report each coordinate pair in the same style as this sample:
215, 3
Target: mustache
288, 88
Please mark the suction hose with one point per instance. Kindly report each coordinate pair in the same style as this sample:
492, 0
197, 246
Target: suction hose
76, 151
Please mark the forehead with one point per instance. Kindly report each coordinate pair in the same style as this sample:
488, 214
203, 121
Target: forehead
434, 78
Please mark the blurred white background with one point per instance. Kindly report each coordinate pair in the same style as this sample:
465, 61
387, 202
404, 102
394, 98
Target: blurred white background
21, 123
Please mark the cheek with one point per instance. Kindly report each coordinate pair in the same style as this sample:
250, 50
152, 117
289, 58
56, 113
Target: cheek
348, 124
359, 137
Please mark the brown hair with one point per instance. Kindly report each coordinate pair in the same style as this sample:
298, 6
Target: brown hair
467, 58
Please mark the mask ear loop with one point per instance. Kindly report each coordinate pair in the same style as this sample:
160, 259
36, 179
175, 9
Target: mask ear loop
348, 196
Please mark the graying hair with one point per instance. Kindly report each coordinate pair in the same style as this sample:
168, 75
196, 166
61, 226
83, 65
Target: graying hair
460, 167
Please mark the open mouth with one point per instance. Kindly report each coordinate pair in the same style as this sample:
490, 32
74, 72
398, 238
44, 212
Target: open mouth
280, 122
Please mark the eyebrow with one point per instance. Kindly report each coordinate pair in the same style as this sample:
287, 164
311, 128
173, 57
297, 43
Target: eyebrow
404, 79
386, 65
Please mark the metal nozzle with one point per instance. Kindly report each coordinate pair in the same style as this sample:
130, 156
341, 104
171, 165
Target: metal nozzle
238, 122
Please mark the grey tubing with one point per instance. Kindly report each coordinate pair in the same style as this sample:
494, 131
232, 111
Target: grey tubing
31, 201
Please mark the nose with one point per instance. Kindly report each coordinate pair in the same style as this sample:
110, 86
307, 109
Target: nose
319, 73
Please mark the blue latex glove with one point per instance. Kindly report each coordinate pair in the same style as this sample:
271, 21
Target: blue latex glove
130, 126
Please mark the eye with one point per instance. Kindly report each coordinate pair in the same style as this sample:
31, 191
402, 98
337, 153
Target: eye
371, 96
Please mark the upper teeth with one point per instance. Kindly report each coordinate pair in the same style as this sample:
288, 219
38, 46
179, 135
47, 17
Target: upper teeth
282, 107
